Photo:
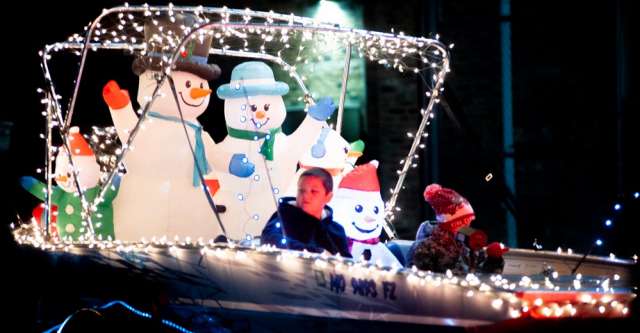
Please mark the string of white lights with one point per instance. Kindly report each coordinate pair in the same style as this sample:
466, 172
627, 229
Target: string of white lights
525, 297
250, 33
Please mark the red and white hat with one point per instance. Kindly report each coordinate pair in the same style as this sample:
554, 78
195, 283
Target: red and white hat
77, 143
363, 178
452, 209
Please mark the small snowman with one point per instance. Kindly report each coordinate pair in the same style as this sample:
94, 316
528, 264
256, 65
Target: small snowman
358, 207
70, 222
161, 193
332, 153
254, 112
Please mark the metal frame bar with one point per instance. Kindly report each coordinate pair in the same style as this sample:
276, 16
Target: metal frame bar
343, 91
301, 23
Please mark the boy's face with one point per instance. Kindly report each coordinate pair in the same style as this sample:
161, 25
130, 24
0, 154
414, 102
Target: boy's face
312, 196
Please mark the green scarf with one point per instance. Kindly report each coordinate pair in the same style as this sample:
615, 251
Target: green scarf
267, 146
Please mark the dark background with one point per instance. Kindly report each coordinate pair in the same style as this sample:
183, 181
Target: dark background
575, 113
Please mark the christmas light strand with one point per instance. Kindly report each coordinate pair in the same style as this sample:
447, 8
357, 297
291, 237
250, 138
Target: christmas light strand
581, 296
249, 33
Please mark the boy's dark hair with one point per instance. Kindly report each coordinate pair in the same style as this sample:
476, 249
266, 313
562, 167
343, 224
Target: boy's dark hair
325, 177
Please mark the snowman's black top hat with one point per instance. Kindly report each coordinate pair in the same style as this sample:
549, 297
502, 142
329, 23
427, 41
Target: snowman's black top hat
160, 31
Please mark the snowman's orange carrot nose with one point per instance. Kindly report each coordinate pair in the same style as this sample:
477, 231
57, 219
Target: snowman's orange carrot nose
260, 114
199, 92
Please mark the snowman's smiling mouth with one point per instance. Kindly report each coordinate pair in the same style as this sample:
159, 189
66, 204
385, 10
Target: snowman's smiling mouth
364, 231
258, 124
185, 102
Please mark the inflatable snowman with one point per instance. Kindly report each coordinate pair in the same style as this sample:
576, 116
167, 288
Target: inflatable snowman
70, 224
254, 112
161, 193
358, 207
332, 153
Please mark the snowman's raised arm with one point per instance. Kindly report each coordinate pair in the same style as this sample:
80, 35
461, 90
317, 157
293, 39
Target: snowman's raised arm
236, 164
122, 113
307, 133
38, 189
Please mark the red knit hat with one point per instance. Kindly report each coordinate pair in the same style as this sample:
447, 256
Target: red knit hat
363, 178
452, 209
496, 250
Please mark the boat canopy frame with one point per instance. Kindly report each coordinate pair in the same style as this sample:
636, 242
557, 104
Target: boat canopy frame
121, 28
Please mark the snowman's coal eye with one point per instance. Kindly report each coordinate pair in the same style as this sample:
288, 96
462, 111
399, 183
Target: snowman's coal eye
254, 107
201, 85
266, 107
358, 208
188, 84
376, 210
346, 150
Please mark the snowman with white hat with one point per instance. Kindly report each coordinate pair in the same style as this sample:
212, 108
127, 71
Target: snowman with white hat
254, 112
332, 153
161, 193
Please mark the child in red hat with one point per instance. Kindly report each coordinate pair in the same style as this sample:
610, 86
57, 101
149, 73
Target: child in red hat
441, 249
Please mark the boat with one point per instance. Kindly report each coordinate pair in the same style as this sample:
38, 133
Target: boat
198, 275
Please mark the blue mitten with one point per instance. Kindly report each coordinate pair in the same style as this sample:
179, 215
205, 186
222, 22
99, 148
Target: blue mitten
117, 179
240, 166
323, 109
28, 182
